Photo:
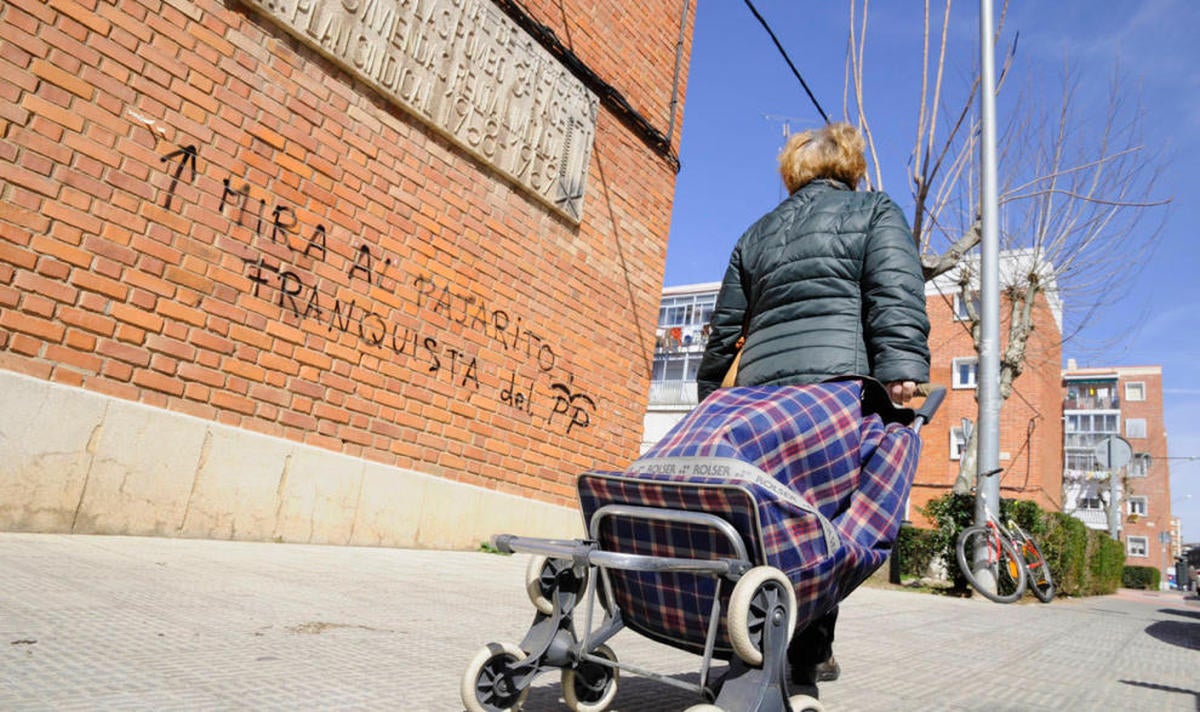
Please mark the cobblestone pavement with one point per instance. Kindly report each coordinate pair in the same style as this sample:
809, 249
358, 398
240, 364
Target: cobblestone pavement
120, 623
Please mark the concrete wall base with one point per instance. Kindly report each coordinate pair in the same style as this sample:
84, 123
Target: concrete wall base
73, 461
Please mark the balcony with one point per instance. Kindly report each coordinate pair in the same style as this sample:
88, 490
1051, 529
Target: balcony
673, 393
1092, 518
1071, 475
1091, 403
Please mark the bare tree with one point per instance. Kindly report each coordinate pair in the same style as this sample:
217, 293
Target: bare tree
1078, 206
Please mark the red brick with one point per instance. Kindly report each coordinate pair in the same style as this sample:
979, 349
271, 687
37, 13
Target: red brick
207, 376
102, 285
140, 318
83, 15
101, 324
59, 77
54, 289
197, 392
158, 382
39, 106
130, 334
74, 358
16, 256
132, 355
208, 341
67, 377
39, 328
31, 180
177, 312
178, 349
248, 371
117, 370
80, 341
227, 401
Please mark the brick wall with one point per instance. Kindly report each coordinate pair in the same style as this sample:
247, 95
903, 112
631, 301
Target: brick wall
1030, 419
202, 215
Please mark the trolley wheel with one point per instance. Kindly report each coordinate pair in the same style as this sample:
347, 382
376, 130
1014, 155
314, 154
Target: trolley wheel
804, 703
539, 583
487, 684
762, 593
589, 686
1008, 570
541, 575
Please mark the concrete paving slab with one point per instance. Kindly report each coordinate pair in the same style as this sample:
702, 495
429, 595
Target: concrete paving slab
127, 623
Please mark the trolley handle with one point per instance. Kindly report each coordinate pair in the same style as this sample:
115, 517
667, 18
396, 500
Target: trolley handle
934, 395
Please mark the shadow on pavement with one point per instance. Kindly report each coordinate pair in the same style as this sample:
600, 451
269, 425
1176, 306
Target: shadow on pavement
1185, 635
634, 694
1165, 688
1180, 612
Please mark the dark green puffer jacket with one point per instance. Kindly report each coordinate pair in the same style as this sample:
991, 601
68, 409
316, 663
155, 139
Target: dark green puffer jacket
832, 284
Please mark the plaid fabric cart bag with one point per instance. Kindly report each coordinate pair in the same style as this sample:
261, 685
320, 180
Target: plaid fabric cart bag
759, 511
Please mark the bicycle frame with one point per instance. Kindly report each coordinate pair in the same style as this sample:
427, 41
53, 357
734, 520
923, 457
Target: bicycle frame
988, 543
997, 530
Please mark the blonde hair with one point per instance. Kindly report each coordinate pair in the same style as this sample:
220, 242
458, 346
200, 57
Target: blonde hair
833, 151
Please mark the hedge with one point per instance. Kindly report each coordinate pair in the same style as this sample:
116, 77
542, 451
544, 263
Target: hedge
1143, 577
1083, 562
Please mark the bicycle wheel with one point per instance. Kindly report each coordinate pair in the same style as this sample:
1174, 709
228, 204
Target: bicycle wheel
1000, 564
1038, 570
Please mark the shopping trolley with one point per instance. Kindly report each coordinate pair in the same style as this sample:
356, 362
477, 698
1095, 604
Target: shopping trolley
762, 509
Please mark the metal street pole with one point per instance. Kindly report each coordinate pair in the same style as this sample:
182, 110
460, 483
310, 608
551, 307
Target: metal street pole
987, 491
989, 276
1114, 503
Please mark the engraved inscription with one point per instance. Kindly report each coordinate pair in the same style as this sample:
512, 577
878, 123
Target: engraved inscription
464, 68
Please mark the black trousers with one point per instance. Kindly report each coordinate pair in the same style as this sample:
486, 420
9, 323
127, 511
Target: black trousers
812, 645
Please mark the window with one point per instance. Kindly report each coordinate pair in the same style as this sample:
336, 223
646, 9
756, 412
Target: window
1092, 395
1135, 391
1089, 500
958, 443
961, 312
1136, 546
1137, 506
966, 372
687, 310
669, 367
1135, 428
1139, 466
1095, 423
1076, 460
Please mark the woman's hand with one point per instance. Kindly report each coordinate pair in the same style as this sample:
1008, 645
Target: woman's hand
901, 392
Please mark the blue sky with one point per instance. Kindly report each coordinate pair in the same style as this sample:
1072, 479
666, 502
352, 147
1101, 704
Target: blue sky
740, 93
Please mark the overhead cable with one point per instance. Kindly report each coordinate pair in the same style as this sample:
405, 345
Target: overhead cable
787, 59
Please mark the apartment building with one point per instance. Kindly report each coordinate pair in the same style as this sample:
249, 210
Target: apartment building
1123, 402
680, 338
1030, 424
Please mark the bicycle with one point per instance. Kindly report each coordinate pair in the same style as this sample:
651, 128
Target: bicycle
1008, 554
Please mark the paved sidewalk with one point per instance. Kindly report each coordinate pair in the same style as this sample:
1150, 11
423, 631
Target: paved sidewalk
119, 623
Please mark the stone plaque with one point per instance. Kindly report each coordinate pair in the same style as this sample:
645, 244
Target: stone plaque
468, 71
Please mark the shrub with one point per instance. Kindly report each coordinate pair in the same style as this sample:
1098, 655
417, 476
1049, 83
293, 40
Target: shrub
1143, 577
950, 513
915, 550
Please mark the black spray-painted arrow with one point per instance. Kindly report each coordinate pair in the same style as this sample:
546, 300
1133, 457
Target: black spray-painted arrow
186, 155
